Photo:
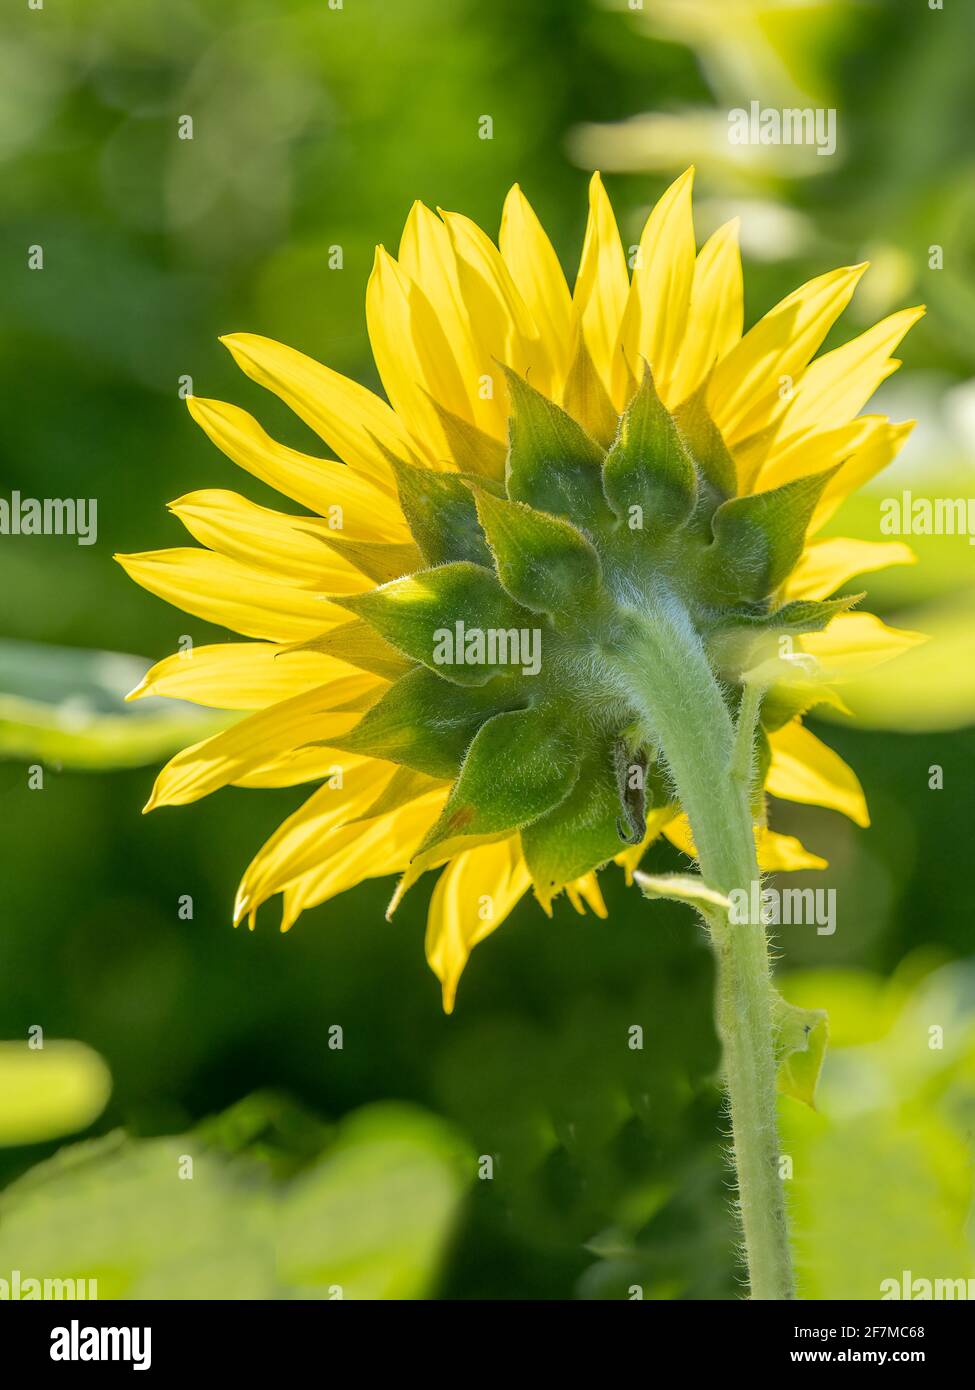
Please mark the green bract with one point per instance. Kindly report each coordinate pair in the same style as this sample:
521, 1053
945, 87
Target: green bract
504, 639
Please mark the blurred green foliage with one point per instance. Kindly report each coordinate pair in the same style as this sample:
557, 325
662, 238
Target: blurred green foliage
316, 127
232, 1210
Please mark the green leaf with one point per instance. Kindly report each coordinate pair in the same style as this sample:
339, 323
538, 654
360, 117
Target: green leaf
441, 515
361, 646
553, 464
427, 723
455, 619
369, 1217
801, 1036
758, 540
577, 835
648, 466
543, 561
379, 561
706, 443
376, 1214
519, 766
682, 888
67, 706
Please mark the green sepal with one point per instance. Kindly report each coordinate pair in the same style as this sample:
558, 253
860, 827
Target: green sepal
474, 452
758, 540
360, 646
649, 467
742, 641
519, 766
683, 888
420, 615
543, 561
553, 464
799, 616
379, 561
706, 443
801, 1039
577, 835
425, 723
441, 515
787, 700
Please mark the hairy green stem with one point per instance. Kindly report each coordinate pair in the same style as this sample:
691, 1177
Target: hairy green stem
667, 675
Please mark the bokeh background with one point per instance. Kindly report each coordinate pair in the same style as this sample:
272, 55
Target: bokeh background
363, 1165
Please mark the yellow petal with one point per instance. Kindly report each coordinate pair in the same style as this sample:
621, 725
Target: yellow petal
351, 503
474, 894
855, 643
826, 566
871, 458
655, 317
293, 768
352, 421
539, 278
501, 321
715, 314
413, 355
292, 549
224, 591
746, 392
297, 845
784, 853
426, 257
584, 396
602, 285
238, 675
367, 849
765, 461
837, 385
933, 686
315, 716
804, 769
774, 851
586, 891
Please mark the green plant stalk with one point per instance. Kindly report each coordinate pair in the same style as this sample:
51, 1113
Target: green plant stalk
665, 670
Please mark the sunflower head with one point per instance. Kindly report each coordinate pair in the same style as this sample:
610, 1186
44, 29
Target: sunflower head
531, 576
439, 642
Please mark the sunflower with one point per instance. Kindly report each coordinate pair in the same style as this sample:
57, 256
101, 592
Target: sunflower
548, 468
